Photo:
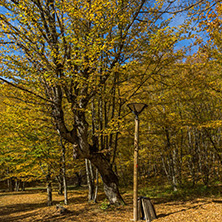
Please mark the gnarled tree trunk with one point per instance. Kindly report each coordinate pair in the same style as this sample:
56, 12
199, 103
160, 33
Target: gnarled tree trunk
109, 178
85, 150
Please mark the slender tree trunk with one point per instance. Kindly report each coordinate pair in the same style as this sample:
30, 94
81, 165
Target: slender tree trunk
49, 187
96, 186
10, 182
170, 165
90, 188
17, 184
175, 168
64, 174
100, 117
192, 160
65, 191
79, 179
60, 181
116, 139
11, 186
23, 186
165, 168
94, 177
63, 165
92, 195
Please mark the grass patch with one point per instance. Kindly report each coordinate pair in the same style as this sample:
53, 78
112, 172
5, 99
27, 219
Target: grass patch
38, 188
186, 192
105, 205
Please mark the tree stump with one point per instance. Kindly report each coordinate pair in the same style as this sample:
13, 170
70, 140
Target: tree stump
146, 210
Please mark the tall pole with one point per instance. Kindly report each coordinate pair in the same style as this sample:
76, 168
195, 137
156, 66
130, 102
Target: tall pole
136, 108
135, 174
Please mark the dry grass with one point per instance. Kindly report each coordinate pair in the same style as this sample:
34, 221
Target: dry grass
31, 206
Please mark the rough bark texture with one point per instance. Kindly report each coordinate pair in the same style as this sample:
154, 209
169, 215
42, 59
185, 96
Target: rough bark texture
87, 151
109, 178
84, 150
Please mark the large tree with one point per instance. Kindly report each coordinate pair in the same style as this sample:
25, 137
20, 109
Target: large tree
64, 52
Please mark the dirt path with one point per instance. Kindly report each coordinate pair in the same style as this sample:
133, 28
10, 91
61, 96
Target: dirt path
31, 207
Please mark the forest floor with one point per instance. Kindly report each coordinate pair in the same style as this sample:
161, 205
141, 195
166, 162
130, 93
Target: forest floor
31, 206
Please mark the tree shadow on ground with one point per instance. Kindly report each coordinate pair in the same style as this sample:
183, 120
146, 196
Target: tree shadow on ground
16, 208
53, 215
21, 193
185, 209
72, 215
24, 207
217, 201
35, 211
82, 199
18, 218
32, 212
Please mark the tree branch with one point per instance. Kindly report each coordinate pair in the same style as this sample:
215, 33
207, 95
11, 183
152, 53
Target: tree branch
25, 90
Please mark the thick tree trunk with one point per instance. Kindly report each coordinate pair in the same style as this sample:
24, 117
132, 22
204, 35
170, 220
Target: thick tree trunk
85, 150
109, 178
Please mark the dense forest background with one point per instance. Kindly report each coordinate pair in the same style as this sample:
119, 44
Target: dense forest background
69, 69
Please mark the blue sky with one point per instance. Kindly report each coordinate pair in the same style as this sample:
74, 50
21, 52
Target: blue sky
178, 20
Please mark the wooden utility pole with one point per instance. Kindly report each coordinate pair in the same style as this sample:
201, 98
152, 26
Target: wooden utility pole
136, 108
135, 174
